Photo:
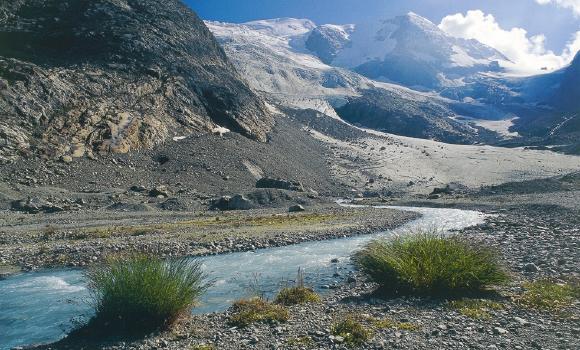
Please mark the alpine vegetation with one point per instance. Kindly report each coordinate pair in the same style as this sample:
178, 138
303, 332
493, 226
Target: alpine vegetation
142, 293
429, 263
298, 294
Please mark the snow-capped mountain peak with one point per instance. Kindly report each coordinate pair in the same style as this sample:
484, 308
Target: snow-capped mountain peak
413, 51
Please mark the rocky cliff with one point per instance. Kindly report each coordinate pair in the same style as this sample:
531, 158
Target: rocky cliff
83, 77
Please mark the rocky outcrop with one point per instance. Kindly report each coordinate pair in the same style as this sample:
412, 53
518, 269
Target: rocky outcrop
268, 182
385, 111
97, 76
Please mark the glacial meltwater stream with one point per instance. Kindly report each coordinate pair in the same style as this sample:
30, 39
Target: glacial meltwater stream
40, 307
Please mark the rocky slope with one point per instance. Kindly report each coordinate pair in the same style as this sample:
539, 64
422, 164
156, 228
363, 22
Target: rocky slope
83, 77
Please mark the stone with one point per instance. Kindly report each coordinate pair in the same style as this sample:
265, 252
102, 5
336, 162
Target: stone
531, 267
267, 182
521, 321
499, 330
296, 208
159, 191
237, 202
66, 159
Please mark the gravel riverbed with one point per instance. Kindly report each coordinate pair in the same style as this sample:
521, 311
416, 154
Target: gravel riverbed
536, 241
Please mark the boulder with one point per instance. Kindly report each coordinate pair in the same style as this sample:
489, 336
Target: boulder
296, 208
267, 182
159, 191
448, 189
237, 202
35, 205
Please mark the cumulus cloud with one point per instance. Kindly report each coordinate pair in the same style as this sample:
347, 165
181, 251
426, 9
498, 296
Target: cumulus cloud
527, 54
574, 5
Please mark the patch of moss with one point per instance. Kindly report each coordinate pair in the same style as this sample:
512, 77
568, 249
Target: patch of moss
352, 331
475, 308
202, 347
388, 323
299, 341
549, 295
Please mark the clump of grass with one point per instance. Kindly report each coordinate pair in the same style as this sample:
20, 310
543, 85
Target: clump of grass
353, 332
248, 311
299, 294
388, 323
137, 294
546, 294
429, 263
475, 308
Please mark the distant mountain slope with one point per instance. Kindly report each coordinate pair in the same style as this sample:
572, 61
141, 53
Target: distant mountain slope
274, 56
413, 51
89, 76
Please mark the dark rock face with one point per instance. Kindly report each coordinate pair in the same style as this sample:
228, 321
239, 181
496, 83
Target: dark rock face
382, 110
568, 95
95, 76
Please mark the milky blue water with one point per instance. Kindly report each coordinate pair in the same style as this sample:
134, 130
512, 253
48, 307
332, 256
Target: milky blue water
39, 307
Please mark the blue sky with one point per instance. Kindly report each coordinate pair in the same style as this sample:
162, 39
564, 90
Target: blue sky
556, 23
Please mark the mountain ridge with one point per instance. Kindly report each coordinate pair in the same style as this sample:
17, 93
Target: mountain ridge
90, 77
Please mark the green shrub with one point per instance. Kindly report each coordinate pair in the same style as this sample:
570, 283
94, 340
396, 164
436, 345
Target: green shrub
248, 311
299, 294
353, 332
140, 293
430, 264
546, 294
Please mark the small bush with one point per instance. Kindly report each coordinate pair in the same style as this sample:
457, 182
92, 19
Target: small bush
475, 308
299, 294
246, 312
140, 293
430, 264
353, 332
546, 294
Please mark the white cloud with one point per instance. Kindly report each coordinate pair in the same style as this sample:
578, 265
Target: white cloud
528, 54
574, 5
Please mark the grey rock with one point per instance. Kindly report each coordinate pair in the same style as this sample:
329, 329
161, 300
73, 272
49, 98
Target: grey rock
268, 182
296, 208
531, 267
107, 48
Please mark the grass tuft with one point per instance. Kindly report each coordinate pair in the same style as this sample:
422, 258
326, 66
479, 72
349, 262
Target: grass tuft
431, 264
353, 332
296, 295
248, 311
546, 294
299, 294
475, 308
137, 294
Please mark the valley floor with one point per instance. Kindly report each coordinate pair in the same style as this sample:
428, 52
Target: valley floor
525, 224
